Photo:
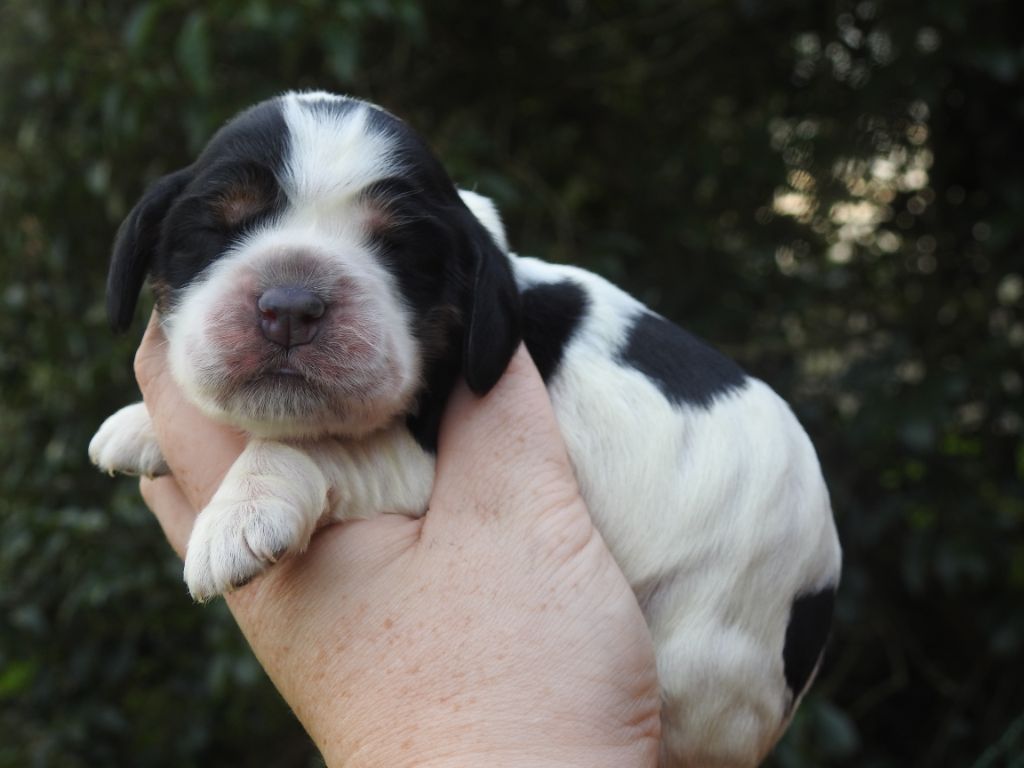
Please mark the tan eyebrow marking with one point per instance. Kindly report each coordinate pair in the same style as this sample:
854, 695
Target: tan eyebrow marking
377, 218
240, 202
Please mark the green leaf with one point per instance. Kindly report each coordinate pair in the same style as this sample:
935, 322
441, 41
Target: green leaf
342, 51
16, 678
139, 26
836, 731
193, 51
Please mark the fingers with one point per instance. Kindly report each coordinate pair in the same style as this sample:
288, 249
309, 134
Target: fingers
505, 447
198, 451
174, 512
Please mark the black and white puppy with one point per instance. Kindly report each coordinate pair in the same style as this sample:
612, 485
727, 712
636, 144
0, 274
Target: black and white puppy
322, 284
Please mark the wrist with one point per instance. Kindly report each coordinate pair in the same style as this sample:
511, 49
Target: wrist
551, 754
472, 737
567, 759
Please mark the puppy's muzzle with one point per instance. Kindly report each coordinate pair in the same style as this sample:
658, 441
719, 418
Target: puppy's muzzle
290, 316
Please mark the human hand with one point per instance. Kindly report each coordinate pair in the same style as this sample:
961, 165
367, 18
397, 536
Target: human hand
495, 630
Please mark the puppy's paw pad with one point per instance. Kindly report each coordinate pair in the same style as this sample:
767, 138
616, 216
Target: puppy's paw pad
233, 543
126, 444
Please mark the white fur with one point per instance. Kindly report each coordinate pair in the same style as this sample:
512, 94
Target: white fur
275, 495
258, 515
126, 443
718, 516
487, 213
332, 159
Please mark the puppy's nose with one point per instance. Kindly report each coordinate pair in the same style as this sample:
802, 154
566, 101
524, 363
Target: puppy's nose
290, 317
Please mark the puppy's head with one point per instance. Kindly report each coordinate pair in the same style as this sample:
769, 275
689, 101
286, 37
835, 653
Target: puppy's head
312, 268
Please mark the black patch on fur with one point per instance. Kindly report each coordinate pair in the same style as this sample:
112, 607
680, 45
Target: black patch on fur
179, 226
419, 244
551, 314
136, 241
248, 152
425, 422
809, 622
685, 369
492, 310
450, 272
467, 307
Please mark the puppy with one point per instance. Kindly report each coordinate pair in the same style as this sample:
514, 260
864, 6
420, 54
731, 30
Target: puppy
323, 284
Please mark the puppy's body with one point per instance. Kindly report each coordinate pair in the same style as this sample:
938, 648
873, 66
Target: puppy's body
699, 478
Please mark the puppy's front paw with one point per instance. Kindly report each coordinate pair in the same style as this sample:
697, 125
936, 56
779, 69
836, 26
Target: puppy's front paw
126, 443
233, 542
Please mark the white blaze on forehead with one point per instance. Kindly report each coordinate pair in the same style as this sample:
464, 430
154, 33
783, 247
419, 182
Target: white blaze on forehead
333, 153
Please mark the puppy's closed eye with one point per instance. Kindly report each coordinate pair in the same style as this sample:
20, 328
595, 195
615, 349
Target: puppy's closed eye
239, 203
388, 207
247, 195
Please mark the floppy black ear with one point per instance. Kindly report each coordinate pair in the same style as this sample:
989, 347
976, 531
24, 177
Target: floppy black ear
133, 247
493, 323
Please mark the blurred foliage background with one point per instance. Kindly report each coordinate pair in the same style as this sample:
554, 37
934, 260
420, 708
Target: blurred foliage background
830, 191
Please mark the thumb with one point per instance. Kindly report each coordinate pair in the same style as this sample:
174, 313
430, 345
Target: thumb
503, 453
198, 451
